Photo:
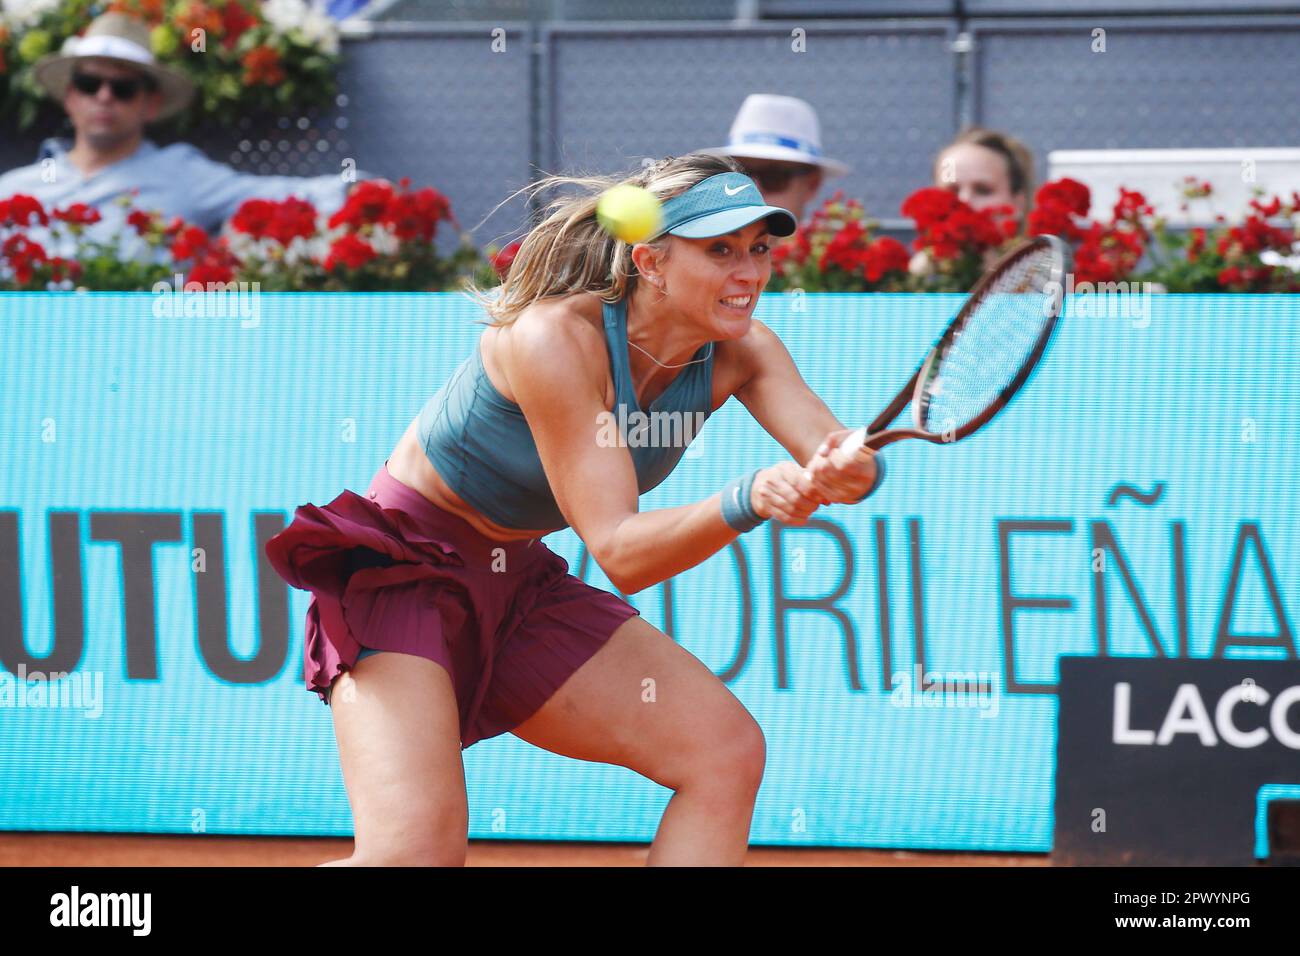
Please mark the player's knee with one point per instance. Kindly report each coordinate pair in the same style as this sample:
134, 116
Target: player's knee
747, 755
732, 758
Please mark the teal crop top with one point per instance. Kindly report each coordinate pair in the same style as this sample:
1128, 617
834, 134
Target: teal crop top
481, 444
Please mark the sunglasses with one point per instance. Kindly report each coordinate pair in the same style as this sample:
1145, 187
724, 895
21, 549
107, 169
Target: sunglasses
775, 179
124, 89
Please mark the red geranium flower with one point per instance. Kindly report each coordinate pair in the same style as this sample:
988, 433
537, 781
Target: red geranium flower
1107, 254
845, 249
949, 228
504, 259
235, 20
22, 210
253, 217
930, 205
1069, 193
1269, 209
1057, 206
61, 268
1254, 236
20, 245
140, 221
78, 214
885, 255
189, 243
281, 221
23, 256
262, 67
1131, 207
217, 265
794, 250
365, 204
293, 218
351, 251
416, 214
1052, 219
782, 252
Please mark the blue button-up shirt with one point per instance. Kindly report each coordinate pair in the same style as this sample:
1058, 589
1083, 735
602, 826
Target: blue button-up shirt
177, 180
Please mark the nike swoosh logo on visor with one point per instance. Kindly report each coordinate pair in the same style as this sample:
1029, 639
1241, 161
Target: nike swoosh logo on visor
731, 192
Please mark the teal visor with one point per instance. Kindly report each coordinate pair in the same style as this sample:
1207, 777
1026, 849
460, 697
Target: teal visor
719, 205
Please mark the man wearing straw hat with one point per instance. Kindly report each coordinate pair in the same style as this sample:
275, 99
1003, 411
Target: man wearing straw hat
111, 87
779, 142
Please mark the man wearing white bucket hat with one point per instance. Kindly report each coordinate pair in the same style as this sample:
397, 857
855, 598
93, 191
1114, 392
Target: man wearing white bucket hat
111, 87
779, 142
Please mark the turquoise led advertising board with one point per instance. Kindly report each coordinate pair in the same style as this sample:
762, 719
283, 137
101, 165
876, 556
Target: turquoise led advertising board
1138, 499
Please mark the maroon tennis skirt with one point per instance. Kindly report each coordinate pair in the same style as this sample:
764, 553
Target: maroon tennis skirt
391, 571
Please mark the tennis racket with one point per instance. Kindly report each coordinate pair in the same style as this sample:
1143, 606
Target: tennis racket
985, 355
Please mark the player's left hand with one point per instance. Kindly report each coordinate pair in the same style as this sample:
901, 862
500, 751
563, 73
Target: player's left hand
835, 477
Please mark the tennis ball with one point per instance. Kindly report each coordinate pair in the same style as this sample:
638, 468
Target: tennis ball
628, 212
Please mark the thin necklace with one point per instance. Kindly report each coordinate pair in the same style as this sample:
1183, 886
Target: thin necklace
703, 358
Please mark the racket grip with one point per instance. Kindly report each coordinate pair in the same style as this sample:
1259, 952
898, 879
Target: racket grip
854, 441
850, 447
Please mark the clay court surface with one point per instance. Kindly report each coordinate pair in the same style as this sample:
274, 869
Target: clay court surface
86, 849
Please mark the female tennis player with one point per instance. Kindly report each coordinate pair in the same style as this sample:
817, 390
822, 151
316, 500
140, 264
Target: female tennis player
439, 619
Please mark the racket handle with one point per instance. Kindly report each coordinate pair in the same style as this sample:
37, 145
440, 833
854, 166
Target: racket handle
851, 446
854, 441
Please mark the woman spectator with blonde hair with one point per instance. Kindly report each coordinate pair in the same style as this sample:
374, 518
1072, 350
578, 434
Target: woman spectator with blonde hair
984, 168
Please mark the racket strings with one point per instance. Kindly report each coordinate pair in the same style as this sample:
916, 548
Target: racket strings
992, 345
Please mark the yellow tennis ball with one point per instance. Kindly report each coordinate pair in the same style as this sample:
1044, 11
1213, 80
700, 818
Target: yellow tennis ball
629, 212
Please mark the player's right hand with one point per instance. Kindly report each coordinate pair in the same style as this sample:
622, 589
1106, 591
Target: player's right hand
776, 494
